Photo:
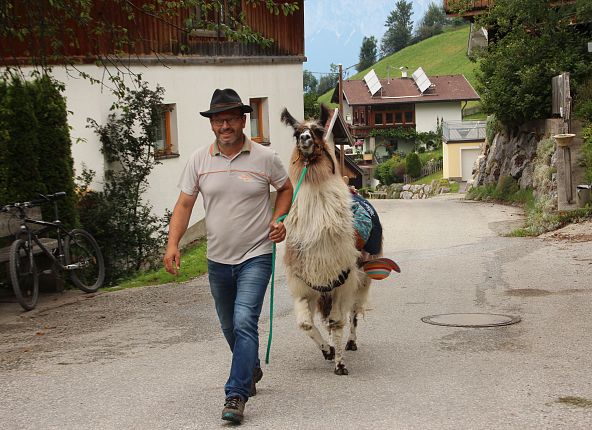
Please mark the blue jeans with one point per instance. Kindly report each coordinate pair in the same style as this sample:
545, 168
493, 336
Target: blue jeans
238, 291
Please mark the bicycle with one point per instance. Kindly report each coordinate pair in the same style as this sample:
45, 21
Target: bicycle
77, 252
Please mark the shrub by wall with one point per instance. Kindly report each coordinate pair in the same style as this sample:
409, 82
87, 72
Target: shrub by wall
21, 179
35, 147
53, 143
413, 165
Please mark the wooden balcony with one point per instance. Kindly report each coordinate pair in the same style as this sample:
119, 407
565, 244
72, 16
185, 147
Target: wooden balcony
110, 31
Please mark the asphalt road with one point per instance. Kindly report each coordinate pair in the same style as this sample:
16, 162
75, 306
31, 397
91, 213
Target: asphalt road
153, 358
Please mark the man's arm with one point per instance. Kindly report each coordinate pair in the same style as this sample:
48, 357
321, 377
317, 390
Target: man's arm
283, 201
177, 228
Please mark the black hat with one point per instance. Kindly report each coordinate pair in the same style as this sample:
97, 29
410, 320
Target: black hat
223, 100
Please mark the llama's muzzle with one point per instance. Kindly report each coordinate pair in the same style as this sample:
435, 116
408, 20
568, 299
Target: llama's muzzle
306, 143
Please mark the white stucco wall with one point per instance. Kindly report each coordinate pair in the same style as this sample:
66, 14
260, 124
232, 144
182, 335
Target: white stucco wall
190, 87
426, 114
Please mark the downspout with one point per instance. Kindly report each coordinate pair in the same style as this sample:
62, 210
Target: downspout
462, 110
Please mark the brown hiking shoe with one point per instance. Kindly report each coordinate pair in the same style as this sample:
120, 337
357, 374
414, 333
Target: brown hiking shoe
257, 375
234, 408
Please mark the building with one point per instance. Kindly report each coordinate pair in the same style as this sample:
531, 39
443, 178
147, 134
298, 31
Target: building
462, 143
189, 65
372, 105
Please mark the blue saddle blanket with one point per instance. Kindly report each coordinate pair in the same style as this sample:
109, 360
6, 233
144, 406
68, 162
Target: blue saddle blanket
367, 224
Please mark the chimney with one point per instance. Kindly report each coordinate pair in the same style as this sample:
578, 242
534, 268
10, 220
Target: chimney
403, 70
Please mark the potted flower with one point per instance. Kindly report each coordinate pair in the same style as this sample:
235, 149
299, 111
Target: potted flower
368, 155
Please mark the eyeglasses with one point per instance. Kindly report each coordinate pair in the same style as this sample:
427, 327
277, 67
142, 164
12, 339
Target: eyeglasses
232, 121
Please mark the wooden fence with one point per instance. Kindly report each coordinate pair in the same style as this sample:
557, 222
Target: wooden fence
427, 170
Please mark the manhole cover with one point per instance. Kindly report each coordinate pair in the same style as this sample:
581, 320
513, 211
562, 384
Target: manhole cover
471, 320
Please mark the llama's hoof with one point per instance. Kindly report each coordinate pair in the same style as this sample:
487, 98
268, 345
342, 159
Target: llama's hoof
340, 369
329, 355
351, 345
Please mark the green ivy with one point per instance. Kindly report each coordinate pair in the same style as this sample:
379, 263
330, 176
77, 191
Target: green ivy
408, 134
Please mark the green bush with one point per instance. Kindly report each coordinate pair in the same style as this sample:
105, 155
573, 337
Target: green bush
54, 144
583, 101
413, 165
383, 172
20, 158
587, 151
399, 171
130, 235
35, 147
506, 187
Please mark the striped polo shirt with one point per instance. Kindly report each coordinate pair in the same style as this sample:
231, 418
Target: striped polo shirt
236, 198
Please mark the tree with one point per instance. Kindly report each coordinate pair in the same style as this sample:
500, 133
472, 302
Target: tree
530, 43
311, 106
367, 53
399, 28
20, 171
122, 222
431, 23
329, 81
413, 165
309, 82
54, 144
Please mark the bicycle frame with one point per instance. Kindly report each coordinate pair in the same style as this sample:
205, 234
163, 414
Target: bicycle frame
33, 236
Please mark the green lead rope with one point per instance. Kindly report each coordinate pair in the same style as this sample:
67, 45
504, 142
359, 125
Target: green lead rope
283, 217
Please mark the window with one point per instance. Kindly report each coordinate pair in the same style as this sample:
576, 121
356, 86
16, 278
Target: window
404, 115
359, 115
259, 121
409, 118
166, 131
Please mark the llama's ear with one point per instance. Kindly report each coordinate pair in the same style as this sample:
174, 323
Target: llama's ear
324, 115
288, 119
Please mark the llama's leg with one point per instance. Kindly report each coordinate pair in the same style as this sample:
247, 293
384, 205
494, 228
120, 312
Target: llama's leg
358, 308
304, 319
336, 323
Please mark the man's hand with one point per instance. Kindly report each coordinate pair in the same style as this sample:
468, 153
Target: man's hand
172, 260
277, 232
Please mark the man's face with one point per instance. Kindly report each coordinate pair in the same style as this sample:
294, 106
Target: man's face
228, 127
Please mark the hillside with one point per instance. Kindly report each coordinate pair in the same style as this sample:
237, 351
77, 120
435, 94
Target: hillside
444, 54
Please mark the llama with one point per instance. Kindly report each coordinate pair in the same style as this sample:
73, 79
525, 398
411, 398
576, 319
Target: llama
321, 258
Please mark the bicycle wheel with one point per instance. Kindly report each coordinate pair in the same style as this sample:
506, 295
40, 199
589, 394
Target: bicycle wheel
85, 260
23, 274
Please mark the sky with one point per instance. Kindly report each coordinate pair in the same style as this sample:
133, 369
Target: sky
334, 29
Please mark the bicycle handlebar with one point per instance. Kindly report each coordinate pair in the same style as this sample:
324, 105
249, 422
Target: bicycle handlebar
44, 199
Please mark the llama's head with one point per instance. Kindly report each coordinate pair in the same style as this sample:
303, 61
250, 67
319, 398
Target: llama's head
309, 135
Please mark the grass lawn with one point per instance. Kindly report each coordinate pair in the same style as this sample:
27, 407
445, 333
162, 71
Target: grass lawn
193, 264
443, 54
428, 179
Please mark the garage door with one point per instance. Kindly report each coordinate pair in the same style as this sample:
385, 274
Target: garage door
467, 160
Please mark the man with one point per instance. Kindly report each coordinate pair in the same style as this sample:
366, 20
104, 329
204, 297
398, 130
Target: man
233, 175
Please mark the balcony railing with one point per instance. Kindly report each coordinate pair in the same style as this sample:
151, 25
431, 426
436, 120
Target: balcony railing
463, 131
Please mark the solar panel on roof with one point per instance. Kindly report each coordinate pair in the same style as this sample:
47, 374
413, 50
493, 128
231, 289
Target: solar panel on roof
373, 82
421, 80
